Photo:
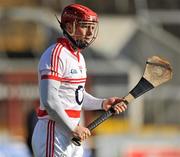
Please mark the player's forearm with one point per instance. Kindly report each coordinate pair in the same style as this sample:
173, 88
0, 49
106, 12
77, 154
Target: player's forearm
91, 103
52, 103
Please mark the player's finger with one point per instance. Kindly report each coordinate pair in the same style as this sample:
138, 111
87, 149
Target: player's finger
121, 104
120, 108
86, 134
83, 136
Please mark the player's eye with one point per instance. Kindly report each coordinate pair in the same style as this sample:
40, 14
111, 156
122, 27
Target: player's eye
87, 25
92, 27
83, 25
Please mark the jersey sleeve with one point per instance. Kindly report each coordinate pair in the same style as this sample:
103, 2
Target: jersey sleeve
49, 97
91, 103
51, 70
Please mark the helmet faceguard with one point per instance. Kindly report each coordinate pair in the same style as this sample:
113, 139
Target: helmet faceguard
83, 41
79, 15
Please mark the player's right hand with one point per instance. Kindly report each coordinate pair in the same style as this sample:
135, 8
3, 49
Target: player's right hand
81, 133
116, 103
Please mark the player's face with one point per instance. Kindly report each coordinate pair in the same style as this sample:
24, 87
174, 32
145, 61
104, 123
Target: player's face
85, 31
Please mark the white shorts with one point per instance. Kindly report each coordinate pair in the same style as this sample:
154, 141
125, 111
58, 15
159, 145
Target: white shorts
49, 141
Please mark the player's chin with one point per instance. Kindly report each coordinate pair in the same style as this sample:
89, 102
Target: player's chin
88, 39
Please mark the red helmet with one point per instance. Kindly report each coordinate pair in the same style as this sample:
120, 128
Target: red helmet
78, 15
77, 12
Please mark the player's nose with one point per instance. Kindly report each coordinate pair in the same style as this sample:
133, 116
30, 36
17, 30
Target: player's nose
89, 31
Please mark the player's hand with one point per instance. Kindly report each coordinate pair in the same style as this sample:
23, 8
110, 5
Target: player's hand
81, 133
115, 102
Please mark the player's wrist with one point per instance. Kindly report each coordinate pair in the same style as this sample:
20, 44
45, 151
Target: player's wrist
102, 104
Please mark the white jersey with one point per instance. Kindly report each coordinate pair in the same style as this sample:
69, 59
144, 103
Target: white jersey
59, 62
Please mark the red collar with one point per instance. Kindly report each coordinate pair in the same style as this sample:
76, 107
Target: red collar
66, 43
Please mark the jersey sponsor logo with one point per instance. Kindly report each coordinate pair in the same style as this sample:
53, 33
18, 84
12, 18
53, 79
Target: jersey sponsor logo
74, 71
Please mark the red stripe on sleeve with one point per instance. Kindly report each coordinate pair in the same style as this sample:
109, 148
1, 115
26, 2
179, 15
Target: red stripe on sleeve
57, 60
54, 59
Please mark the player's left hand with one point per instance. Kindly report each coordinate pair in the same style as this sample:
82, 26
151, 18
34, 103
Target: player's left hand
115, 102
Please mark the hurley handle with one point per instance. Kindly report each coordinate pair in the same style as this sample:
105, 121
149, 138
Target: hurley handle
76, 141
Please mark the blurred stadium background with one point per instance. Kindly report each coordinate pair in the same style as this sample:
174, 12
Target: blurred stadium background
129, 32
